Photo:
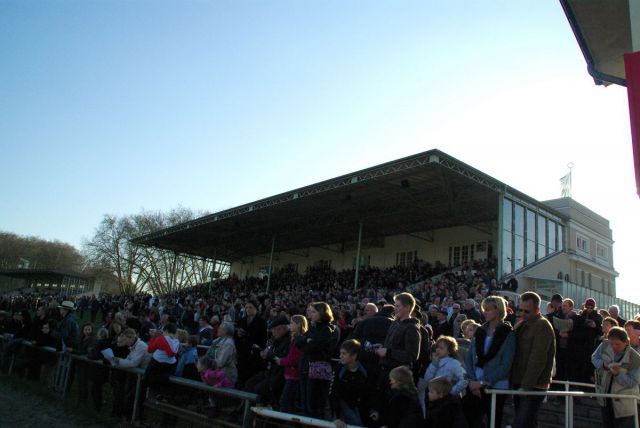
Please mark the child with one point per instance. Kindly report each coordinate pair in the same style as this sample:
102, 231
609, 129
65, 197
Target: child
351, 392
403, 409
163, 347
444, 364
298, 328
445, 410
188, 360
211, 375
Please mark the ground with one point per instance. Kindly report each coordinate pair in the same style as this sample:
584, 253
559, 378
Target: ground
25, 404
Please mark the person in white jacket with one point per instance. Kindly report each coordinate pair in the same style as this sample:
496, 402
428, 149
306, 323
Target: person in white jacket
444, 363
138, 355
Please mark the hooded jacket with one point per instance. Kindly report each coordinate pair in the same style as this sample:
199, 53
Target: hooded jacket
402, 343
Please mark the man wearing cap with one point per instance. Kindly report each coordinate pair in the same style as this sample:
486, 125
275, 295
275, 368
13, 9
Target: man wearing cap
68, 331
268, 384
442, 326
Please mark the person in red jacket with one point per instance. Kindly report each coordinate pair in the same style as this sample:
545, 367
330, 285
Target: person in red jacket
291, 363
164, 347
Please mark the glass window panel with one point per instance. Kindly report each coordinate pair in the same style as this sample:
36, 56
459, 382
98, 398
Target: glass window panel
518, 258
507, 255
551, 235
531, 252
531, 225
506, 215
518, 220
560, 237
542, 235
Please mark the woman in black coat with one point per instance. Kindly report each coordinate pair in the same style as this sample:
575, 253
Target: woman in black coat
251, 338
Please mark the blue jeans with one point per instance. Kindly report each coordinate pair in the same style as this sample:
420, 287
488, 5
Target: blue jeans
317, 396
527, 410
349, 415
288, 397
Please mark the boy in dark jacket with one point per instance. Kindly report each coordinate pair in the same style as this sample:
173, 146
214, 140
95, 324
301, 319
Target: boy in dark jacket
445, 410
352, 386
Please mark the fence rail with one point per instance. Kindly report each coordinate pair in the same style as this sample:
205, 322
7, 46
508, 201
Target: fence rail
64, 366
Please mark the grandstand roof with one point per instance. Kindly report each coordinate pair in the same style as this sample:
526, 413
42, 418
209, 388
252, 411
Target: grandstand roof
423, 192
42, 273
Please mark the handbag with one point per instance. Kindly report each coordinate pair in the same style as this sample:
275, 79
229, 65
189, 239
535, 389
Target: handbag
320, 370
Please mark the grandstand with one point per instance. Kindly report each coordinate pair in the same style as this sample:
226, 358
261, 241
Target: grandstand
429, 206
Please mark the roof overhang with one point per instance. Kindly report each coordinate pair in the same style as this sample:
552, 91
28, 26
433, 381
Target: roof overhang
603, 31
53, 274
427, 191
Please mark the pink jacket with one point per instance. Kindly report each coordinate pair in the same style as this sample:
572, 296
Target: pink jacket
290, 363
216, 377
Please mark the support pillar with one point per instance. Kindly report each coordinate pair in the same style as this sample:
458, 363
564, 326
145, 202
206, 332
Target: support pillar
215, 255
500, 235
357, 275
273, 246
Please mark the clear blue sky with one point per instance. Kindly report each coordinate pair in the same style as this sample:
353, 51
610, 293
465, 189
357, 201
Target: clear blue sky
114, 106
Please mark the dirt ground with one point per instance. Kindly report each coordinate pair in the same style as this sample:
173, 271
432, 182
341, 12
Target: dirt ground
23, 404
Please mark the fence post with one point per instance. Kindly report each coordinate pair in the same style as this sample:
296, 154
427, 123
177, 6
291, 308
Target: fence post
492, 421
246, 415
570, 414
136, 401
567, 408
67, 373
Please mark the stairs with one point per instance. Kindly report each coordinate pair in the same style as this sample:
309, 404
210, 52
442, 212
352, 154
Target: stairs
586, 414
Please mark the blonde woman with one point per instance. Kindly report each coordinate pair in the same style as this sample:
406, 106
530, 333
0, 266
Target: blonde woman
489, 360
298, 327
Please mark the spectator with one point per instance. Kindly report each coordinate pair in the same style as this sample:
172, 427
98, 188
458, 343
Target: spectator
370, 310
617, 372
319, 343
352, 388
164, 347
442, 326
87, 340
614, 312
269, 383
251, 336
211, 374
223, 351
444, 364
488, 362
188, 358
607, 324
205, 331
99, 374
533, 361
471, 312
298, 328
402, 409
68, 331
445, 410
572, 348
632, 327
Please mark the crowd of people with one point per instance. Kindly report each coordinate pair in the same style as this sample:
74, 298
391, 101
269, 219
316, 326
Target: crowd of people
412, 346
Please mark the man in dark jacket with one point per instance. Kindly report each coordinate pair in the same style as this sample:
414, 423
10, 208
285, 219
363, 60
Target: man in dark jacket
68, 332
471, 311
401, 346
268, 384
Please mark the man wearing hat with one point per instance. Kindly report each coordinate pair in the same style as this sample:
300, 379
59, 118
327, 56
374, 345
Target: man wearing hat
442, 326
68, 331
268, 384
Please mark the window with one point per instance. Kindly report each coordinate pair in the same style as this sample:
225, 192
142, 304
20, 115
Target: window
406, 258
560, 237
471, 254
531, 237
456, 256
364, 261
551, 237
582, 244
465, 254
602, 252
542, 237
450, 256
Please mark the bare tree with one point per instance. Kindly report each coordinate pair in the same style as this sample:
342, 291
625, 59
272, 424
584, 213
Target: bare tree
139, 267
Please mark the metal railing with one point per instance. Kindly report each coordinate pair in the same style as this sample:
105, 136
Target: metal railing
570, 395
65, 366
268, 413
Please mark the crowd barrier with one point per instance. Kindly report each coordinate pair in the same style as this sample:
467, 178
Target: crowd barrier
65, 365
567, 394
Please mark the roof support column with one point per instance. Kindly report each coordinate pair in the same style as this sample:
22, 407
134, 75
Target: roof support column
500, 234
357, 275
213, 270
273, 246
